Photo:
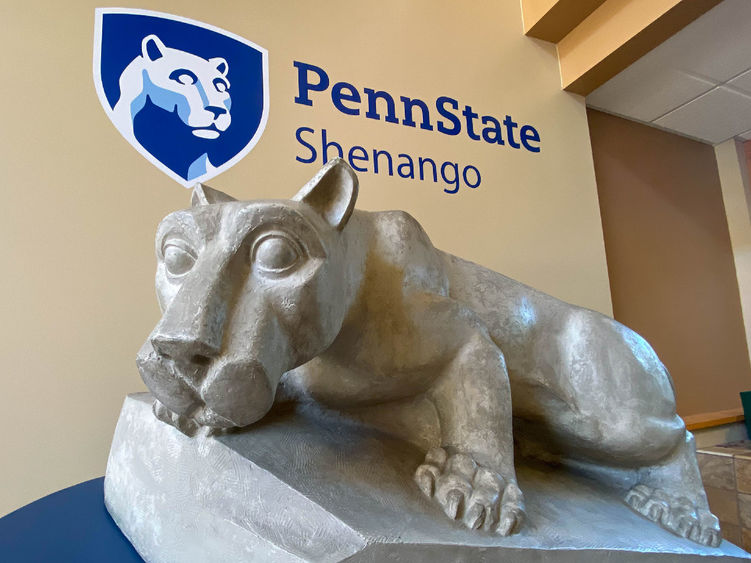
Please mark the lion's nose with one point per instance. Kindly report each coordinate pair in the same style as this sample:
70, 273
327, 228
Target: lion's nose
192, 327
216, 110
185, 348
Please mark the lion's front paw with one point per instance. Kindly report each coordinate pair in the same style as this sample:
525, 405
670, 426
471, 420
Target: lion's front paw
187, 426
479, 497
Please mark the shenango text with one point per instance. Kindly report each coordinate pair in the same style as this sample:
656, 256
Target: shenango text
381, 161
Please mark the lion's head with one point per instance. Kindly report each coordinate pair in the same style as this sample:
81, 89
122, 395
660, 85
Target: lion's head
248, 290
195, 88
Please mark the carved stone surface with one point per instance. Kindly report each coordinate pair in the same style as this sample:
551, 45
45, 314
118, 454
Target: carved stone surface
311, 301
308, 485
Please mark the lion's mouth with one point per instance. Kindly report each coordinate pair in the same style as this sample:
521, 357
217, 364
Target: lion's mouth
206, 132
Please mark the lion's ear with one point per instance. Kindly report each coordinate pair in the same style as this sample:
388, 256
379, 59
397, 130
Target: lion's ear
152, 47
332, 192
220, 64
204, 195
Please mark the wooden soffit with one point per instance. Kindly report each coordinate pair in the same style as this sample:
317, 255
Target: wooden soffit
597, 39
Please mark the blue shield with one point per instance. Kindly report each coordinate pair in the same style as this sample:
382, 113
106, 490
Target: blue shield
192, 98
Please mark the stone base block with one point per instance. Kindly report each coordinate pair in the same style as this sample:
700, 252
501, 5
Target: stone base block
307, 485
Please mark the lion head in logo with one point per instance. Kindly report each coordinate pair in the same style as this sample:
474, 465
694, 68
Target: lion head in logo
179, 86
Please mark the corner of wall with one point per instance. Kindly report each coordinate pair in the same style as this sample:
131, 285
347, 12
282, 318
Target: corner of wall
736, 196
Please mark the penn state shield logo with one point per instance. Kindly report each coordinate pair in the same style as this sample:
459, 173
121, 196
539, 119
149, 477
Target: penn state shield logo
191, 98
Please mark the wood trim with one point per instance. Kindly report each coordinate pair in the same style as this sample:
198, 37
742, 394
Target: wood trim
552, 20
710, 419
617, 34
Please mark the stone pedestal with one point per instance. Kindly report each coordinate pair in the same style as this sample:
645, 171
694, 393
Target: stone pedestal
309, 486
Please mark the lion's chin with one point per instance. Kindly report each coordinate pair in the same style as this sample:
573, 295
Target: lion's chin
206, 133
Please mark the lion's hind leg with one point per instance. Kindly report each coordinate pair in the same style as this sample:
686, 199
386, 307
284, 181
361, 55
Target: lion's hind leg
615, 407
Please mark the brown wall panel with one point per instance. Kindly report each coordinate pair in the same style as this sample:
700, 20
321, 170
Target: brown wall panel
670, 261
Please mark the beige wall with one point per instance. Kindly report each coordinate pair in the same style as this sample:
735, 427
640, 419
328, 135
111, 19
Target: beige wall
670, 260
80, 206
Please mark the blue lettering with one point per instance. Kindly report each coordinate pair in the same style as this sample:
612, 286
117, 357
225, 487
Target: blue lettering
509, 123
376, 154
440, 104
338, 96
347, 99
477, 173
453, 180
422, 161
303, 86
451, 173
313, 154
408, 164
471, 115
492, 133
372, 112
352, 157
527, 134
409, 103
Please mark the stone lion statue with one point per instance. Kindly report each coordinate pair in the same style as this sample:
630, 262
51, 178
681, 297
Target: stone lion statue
309, 299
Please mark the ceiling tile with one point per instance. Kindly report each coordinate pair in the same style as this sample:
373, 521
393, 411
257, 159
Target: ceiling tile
715, 46
645, 92
714, 117
742, 82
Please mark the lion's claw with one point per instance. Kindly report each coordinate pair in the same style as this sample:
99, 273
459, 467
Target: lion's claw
185, 425
478, 497
452, 502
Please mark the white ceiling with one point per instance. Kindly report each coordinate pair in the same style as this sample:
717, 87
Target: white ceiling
697, 83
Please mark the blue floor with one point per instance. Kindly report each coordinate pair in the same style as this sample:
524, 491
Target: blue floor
69, 525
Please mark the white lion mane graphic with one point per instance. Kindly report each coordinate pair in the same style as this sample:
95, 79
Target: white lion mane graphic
194, 88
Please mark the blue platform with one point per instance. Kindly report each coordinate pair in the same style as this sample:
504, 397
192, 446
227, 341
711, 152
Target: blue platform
71, 525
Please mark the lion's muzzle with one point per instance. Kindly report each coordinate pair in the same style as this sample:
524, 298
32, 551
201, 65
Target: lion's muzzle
220, 393
239, 391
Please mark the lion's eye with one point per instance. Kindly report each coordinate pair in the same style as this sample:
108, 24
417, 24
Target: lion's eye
177, 259
275, 253
220, 85
183, 76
